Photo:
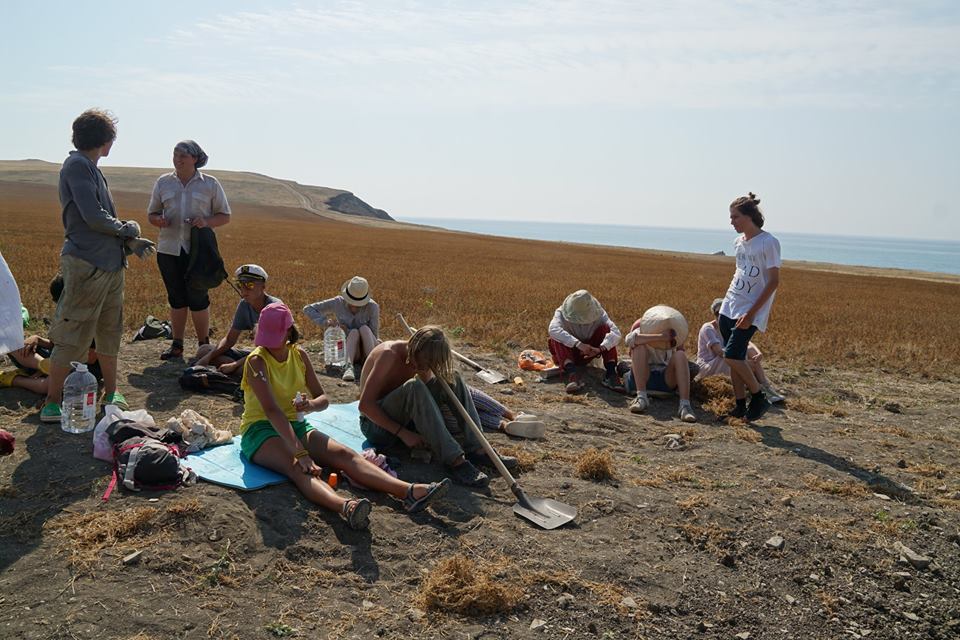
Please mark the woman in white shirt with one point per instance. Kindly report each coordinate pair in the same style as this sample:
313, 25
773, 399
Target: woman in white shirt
182, 199
710, 355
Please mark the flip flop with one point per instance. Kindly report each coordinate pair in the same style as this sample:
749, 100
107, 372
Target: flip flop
526, 428
434, 491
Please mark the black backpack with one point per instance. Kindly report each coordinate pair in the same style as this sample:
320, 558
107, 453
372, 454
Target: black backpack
208, 380
146, 457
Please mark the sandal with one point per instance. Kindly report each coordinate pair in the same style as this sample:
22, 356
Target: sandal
434, 490
357, 513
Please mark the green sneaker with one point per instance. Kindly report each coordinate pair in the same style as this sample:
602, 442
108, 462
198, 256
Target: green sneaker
116, 399
50, 412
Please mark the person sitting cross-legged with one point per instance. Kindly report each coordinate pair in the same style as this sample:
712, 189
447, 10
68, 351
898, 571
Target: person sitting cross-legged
278, 382
402, 402
660, 370
580, 331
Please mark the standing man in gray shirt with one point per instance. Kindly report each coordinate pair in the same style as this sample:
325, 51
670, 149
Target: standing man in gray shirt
92, 262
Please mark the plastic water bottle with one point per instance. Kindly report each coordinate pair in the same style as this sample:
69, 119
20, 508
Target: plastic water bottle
78, 411
334, 347
298, 399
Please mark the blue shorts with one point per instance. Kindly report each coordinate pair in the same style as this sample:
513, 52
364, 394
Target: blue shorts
657, 381
735, 341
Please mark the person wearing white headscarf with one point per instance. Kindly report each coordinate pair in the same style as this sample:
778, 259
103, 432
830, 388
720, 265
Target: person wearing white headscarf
181, 200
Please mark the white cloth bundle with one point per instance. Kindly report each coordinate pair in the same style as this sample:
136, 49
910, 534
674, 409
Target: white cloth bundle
663, 318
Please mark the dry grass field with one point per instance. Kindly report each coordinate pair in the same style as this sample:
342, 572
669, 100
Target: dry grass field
500, 293
791, 527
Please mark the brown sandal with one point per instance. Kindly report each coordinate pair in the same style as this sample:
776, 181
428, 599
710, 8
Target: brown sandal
357, 513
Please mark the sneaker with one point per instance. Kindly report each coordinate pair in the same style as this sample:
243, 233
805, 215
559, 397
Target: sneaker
468, 475
116, 399
614, 383
50, 412
774, 396
685, 412
481, 458
575, 384
640, 404
758, 406
738, 412
348, 373
175, 352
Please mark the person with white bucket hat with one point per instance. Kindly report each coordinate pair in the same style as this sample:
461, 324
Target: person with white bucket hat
580, 331
357, 314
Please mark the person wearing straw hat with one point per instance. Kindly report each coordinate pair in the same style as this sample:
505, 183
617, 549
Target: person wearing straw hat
279, 382
357, 314
252, 283
182, 199
580, 331
710, 355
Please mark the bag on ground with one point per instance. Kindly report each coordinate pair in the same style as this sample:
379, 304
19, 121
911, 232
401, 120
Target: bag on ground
146, 456
208, 380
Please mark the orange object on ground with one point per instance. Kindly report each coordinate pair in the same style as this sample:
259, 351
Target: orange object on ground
332, 480
531, 360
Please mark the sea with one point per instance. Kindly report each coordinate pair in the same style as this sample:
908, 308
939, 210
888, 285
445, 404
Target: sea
938, 256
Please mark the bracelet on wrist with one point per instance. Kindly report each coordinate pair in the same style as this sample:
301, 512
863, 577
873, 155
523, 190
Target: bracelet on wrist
300, 454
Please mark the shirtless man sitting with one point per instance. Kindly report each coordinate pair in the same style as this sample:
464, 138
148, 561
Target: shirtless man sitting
400, 400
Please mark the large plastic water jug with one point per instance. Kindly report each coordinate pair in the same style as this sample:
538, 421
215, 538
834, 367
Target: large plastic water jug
78, 410
334, 347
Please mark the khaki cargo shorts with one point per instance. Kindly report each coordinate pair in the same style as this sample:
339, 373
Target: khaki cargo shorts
91, 307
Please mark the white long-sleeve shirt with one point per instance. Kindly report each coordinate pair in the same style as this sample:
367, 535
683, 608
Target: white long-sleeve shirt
568, 333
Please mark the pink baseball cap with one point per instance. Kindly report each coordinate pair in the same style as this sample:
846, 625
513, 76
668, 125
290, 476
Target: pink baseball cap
275, 320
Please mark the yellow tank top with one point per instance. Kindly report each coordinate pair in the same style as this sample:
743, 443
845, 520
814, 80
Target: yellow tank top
285, 379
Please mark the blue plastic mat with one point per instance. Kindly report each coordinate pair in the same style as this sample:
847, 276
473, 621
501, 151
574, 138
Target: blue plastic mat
224, 465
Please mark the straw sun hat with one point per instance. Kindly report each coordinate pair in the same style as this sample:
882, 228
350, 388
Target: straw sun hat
356, 291
581, 308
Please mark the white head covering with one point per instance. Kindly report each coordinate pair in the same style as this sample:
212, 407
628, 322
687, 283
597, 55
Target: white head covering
581, 308
356, 291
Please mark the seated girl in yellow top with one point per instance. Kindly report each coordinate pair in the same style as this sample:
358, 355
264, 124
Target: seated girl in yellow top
274, 373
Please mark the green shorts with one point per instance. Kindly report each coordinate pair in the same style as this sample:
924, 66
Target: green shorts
261, 431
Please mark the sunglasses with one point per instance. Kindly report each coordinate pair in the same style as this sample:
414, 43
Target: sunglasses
247, 284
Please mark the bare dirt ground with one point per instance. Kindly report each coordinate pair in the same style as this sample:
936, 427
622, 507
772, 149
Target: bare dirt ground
679, 543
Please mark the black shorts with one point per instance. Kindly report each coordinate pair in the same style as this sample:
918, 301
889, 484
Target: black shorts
173, 270
735, 341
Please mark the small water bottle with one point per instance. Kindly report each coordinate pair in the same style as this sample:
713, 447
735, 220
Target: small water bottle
298, 399
78, 410
334, 347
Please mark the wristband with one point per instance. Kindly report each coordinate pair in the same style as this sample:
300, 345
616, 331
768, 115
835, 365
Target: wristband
300, 454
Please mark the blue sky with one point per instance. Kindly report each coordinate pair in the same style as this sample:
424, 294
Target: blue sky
842, 116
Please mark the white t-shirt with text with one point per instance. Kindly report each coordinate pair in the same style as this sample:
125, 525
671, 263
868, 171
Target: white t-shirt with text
755, 258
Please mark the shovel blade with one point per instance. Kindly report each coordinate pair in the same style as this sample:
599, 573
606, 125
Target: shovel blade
545, 513
491, 377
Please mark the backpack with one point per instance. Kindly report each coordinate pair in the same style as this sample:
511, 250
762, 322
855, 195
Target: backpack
146, 457
208, 380
153, 328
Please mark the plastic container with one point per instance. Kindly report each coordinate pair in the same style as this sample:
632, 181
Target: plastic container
298, 399
334, 347
78, 410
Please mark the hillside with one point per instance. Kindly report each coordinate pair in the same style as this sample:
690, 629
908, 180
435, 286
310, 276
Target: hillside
240, 186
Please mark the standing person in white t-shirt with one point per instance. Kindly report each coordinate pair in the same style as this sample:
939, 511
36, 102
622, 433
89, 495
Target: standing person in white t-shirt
746, 306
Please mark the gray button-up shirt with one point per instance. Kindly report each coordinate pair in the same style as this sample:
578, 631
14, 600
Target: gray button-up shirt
90, 224
368, 314
201, 196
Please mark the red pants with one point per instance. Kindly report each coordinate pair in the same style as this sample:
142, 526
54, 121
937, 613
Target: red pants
562, 353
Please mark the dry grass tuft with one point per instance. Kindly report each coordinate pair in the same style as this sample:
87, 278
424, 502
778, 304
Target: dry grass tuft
661, 476
846, 489
459, 584
693, 503
896, 431
711, 536
607, 593
747, 435
806, 405
928, 470
185, 508
526, 460
850, 529
87, 535
569, 399
715, 395
595, 465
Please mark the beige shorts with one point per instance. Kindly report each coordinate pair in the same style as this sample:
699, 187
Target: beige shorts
91, 307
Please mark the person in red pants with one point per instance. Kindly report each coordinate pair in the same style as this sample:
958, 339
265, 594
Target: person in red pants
579, 332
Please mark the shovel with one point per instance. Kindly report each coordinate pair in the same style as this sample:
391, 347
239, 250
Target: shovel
487, 375
543, 512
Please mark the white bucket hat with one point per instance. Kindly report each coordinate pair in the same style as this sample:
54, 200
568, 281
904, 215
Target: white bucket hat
581, 308
356, 291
